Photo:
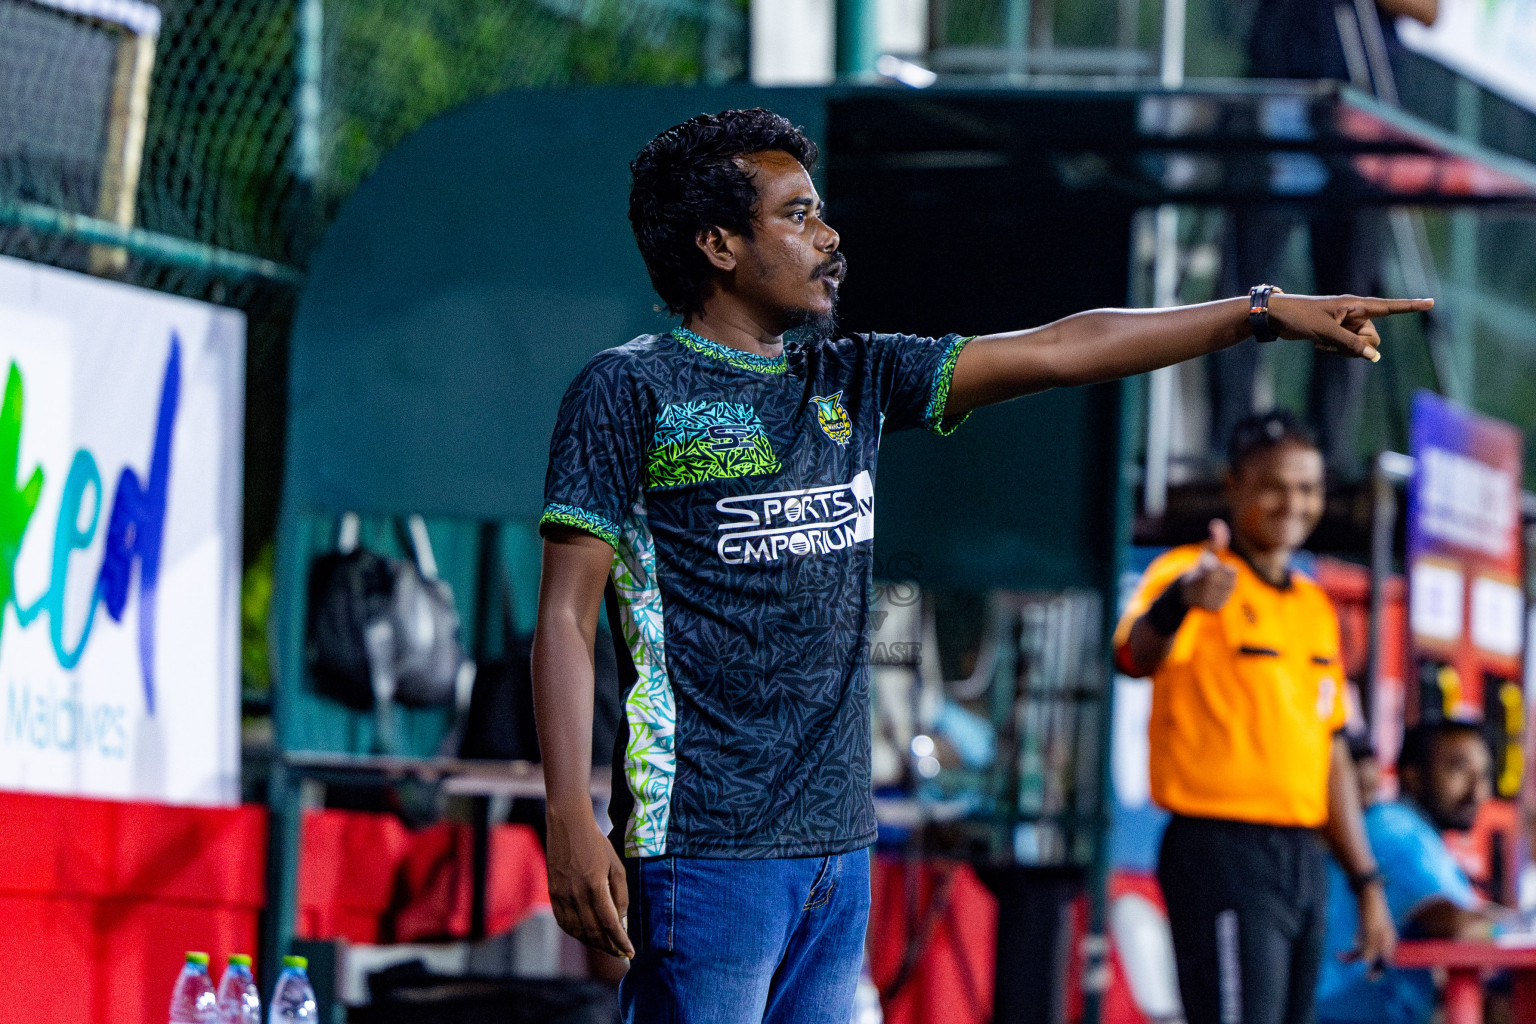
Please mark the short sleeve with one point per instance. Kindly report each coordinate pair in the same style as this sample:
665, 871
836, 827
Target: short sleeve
595, 455
915, 376
1340, 698
1166, 568
1327, 656
1415, 864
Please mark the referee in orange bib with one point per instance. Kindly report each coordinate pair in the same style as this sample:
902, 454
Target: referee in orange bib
1247, 752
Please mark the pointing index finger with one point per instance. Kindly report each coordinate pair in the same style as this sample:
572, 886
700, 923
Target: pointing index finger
1389, 307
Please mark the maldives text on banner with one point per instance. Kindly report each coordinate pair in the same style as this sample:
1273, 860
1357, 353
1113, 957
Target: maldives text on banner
120, 468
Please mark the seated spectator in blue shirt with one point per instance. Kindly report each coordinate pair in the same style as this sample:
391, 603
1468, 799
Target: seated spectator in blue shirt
1443, 776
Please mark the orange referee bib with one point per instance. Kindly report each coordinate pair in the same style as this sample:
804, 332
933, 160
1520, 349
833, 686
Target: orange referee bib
1245, 706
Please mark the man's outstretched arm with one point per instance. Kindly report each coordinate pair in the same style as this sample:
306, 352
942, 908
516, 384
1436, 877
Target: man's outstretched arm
586, 877
1109, 343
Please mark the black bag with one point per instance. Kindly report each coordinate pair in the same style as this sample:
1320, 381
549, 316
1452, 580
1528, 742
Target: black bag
383, 629
499, 725
347, 592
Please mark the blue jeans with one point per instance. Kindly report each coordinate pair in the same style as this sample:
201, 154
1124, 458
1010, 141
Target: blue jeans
745, 941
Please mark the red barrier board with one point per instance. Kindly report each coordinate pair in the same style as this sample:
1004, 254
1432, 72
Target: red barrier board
100, 901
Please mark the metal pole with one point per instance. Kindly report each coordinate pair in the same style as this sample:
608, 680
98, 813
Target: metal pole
1173, 44
858, 39
180, 252
1383, 517
1016, 17
307, 69
1464, 230
1387, 471
1160, 392
1165, 288
284, 824
308, 107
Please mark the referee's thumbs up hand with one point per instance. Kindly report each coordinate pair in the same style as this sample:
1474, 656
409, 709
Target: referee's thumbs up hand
1211, 582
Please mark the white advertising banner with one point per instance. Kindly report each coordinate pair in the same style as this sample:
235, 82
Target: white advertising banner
1492, 42
120, 472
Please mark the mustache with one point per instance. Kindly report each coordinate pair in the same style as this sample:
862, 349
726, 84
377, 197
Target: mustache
834, 266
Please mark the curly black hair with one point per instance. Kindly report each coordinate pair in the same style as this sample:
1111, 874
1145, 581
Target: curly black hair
1265, 431
688, 178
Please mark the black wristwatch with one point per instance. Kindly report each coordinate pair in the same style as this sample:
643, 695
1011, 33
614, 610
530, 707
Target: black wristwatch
1258, 312
1357, 883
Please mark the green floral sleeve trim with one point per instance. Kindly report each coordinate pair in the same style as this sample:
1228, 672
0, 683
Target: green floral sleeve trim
581, 519
934, 418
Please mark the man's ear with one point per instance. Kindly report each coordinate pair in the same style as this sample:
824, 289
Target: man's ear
1409, 780
715, 244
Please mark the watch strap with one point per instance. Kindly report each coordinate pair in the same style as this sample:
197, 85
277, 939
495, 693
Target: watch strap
1258, 312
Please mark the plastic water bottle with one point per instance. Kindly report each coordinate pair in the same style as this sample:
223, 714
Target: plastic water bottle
239, 1002
192, 1001
294, 998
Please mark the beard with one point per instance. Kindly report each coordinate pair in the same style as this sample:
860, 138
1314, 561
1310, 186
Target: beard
1458, 817
807, 326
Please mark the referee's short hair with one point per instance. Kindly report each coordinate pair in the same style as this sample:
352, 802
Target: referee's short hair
1420, 741
1257, 434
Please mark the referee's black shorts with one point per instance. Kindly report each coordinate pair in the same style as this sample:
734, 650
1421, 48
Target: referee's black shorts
1247, 906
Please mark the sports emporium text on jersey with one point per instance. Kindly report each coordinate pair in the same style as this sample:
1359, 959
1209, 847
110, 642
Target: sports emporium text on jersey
811, 520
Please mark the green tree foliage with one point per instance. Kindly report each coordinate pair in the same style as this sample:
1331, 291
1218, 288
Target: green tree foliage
394, 66
218, 156
255, 603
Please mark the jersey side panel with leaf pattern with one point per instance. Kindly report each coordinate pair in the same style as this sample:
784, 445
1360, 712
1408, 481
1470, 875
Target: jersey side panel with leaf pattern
650, 755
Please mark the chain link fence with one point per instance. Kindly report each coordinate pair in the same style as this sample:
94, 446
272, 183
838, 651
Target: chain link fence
199, 147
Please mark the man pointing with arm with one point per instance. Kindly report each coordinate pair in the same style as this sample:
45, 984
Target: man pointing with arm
720, 483
1247, 704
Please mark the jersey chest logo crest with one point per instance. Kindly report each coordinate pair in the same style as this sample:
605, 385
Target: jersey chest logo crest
833, 418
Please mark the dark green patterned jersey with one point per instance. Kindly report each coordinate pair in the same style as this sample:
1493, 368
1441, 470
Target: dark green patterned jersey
737, 492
